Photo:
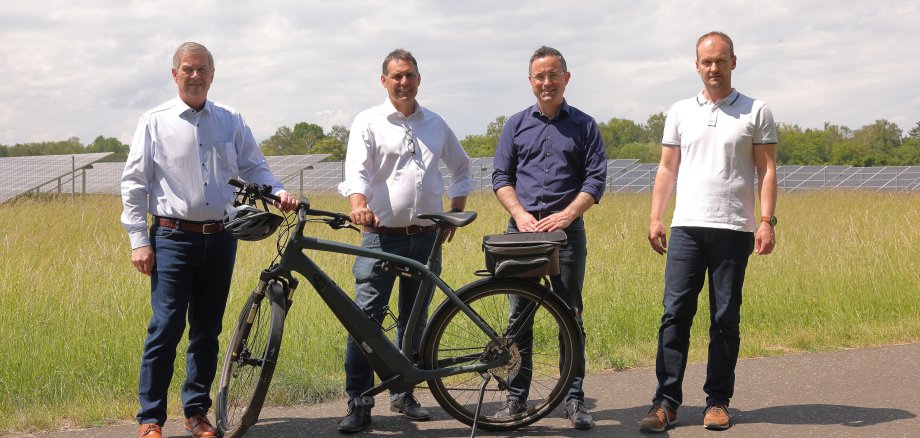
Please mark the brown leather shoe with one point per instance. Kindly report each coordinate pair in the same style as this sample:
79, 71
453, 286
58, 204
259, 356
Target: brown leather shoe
149, 430
658, 418
717, 417
199, 426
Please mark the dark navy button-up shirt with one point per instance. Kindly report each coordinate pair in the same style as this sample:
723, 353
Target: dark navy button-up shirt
548, 162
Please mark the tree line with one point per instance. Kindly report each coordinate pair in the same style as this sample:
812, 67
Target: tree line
881, 143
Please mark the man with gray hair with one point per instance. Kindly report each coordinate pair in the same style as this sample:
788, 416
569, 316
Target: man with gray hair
391, 177
181, 157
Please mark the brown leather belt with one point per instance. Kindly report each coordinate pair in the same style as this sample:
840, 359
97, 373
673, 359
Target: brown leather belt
401, 231
193, 226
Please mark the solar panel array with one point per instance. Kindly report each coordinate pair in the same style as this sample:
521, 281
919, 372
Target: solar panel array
83, 173
45, 174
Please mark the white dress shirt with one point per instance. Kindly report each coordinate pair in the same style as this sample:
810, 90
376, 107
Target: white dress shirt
393, 160
180, 161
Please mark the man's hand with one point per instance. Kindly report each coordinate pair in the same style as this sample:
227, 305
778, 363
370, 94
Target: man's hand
288, 201
142, 259
363, 216
553, 222
657, 237
764, 239
525, 222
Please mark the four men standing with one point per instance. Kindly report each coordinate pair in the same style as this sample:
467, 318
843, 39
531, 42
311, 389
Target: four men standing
549, 169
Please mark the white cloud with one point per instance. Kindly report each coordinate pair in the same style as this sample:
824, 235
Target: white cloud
90, 68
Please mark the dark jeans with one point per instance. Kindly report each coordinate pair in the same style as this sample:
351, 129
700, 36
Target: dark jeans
191, 279
692, 252
568, 285
373, 287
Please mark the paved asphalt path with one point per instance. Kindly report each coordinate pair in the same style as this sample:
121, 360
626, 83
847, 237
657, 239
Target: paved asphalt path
871, 392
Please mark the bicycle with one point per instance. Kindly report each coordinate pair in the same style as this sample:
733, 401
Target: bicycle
468, 350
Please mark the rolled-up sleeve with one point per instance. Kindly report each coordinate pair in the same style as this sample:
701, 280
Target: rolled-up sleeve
459, 165
357, 161
595, 163
504, 163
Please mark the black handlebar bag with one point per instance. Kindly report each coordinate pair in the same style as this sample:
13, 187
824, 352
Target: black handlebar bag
523, 254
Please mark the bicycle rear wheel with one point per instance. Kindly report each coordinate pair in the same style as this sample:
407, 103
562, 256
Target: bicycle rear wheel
543, 356
250, 360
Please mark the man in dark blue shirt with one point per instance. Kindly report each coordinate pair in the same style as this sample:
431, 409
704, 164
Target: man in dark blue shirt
550, 168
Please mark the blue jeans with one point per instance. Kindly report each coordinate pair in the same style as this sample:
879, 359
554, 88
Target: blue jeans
191, 278
568, 285
692, 251
373, 287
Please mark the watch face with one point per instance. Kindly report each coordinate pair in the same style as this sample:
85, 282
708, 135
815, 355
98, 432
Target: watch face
773, 220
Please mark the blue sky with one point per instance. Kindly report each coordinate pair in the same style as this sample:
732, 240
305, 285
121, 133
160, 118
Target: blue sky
88, 68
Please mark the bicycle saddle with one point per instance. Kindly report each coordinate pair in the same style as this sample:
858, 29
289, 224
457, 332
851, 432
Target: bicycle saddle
454, 218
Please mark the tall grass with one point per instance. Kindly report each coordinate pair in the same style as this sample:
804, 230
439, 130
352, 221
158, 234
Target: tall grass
73, 313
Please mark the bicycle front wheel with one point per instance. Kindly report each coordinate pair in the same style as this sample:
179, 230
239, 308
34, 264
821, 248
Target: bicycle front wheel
535, 325
250, 360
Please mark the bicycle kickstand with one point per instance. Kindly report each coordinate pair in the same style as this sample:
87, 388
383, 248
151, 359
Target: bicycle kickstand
482, 392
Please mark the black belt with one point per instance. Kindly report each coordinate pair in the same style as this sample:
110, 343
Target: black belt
193, 226
401, 231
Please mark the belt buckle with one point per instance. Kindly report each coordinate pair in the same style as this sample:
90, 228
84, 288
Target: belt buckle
204, 228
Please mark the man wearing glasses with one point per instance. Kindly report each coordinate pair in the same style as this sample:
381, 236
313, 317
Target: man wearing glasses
391, 177
550, 168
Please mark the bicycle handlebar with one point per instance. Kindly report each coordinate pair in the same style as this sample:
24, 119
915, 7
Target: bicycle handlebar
264, 192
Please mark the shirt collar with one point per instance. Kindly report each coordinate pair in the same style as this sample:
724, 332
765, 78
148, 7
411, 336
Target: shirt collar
183, 108
564, 108
390, 110
729, 100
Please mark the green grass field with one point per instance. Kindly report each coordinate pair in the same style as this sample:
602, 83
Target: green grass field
73, 313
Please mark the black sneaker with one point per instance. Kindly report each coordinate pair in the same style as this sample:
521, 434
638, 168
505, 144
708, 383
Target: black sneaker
577, 413
359, 415
512, 407
407, 405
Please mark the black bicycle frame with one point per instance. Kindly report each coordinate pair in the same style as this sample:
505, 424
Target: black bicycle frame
394, 367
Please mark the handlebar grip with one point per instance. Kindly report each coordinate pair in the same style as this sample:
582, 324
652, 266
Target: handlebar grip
235, 183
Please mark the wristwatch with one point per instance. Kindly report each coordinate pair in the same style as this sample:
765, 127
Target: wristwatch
769, 219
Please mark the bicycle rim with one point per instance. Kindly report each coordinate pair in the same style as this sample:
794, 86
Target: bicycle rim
250, 361
453, 339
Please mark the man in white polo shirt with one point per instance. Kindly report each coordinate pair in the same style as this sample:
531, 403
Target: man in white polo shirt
716, 142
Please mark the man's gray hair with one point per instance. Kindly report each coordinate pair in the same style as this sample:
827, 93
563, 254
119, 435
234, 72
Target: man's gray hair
715, 33
543, 52
191, 47
400, 54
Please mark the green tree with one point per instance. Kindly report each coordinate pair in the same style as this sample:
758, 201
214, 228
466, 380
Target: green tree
109, 144
654, 128
329, 145
881, 138
485, 145
914, 132
339, 133
279, 143
304, 136
618, 132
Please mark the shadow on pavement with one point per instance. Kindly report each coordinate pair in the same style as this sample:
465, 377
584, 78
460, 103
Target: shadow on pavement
821, 414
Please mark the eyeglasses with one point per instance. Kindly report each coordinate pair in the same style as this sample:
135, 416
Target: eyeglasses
552, 77
410, 139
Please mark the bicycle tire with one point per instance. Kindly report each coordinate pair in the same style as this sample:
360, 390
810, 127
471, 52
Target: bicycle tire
453, 339
250, 360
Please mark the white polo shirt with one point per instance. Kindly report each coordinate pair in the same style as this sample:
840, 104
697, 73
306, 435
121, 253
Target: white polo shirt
716, 177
